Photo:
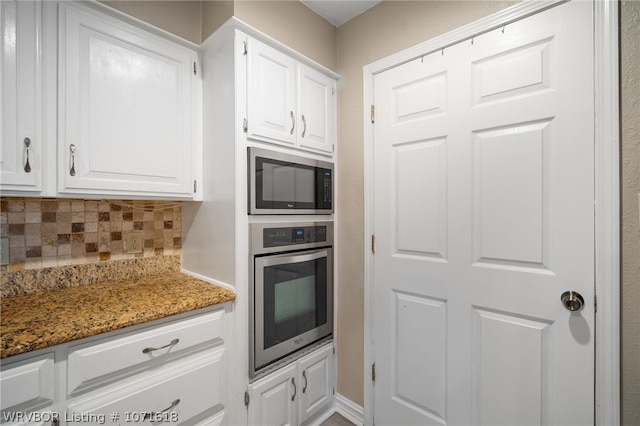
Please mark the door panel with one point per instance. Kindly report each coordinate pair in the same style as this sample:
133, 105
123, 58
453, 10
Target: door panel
511, 364
125, 108
483, 180
272, 94
420, 169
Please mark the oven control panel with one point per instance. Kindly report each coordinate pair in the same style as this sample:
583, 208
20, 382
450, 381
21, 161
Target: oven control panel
292, 235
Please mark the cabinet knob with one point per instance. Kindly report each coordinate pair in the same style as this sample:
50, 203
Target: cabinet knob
27, 166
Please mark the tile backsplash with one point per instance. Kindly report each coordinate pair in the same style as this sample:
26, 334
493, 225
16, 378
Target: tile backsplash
49, 232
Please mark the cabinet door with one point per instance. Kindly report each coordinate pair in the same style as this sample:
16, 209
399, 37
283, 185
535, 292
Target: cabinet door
125, 113
316, 382
271, 92
316, 110
27, 386
20, 71
273, 399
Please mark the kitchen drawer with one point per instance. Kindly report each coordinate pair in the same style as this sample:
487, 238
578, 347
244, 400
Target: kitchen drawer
103, 361
176, 393
27, 385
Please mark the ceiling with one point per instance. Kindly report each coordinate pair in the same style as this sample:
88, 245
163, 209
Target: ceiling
339, 12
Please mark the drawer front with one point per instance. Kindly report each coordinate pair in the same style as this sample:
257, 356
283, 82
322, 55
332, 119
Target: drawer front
173, 395
96, 363
27, 385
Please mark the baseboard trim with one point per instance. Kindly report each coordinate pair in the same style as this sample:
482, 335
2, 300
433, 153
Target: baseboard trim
349, 410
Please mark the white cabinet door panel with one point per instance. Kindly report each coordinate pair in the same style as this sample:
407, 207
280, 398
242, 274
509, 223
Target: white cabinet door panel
28, 384
315, 373
21, 142
125, 108
272, 94
273, 399
316, 110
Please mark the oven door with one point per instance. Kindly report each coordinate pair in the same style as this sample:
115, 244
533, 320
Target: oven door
293, 303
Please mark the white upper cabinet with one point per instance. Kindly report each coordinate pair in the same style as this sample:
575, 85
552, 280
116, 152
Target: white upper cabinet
128, 99
288, 102
271, 90
317, 110
21, 141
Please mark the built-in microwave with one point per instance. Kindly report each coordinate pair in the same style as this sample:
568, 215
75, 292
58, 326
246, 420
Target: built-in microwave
281, 183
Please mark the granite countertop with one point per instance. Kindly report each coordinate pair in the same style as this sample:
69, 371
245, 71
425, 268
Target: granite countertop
42, 319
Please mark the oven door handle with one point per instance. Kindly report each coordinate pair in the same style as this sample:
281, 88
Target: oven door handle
279, 259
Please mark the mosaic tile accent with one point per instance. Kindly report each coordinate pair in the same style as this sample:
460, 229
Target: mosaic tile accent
50, 232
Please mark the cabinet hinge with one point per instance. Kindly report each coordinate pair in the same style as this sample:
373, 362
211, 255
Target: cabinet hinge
333, 91
373, 372
373, 113
245, 125
595, 303
373, 244
195, 72
195, 186
334, 391
246, 398
245, 48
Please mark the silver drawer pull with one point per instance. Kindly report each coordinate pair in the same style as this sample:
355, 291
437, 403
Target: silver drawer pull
295, 389
27, 166
304, 129
72, 148
154, 415
171, 343
293, 122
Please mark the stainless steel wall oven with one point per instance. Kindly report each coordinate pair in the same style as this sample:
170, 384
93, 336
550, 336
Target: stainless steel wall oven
291, 291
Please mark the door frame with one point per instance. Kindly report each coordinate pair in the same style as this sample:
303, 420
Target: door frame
606, 191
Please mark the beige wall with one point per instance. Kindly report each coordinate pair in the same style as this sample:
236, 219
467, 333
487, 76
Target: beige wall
295, 25
381, 31
214, 14
630, 119
180, 17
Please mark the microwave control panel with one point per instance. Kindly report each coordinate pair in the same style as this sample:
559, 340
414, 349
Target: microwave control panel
292, 235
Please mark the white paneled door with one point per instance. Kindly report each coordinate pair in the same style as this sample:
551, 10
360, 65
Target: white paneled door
484, 217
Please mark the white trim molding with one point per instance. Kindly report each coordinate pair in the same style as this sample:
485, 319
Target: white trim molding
349, 410
607, 228
607, 192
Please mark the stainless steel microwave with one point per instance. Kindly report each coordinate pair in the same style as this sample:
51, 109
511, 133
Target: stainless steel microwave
282, 183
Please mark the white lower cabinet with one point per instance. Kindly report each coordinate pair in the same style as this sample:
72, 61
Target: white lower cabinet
170, 373
27, 390
295, 394
173, 394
